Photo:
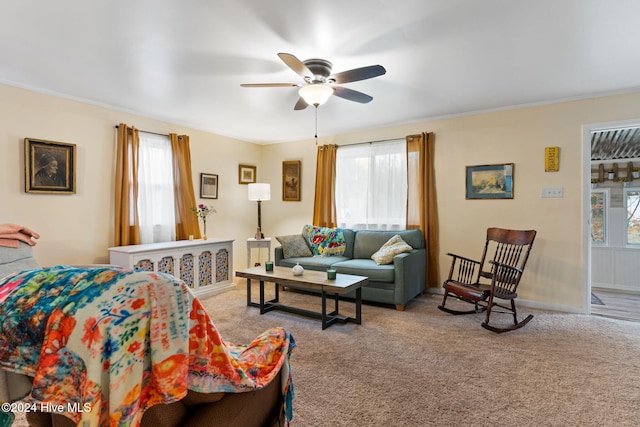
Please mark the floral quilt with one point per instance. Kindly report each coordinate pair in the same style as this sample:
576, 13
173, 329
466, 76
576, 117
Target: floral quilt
105, 344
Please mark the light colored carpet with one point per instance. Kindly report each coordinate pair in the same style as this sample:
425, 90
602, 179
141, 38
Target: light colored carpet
423, 367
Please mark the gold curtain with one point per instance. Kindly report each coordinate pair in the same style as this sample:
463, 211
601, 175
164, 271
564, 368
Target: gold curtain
324, 206
126, 220
185, 198
422, 211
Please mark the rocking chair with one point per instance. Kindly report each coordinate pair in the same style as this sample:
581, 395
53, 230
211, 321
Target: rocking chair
501, 277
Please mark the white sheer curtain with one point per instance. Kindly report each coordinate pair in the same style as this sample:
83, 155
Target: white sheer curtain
371, 185
156, 197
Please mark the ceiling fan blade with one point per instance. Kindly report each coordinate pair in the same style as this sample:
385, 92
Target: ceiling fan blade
358, 74
301, 104
269, 85
295, 64
351, 95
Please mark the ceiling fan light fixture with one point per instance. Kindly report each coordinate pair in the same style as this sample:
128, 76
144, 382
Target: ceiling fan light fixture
316, 94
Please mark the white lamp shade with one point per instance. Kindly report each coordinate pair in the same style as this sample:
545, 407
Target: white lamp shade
259, 191
315, 94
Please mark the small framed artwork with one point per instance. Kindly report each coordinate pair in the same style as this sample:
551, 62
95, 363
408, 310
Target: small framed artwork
208, 186
291, 180
246, 174
50, 167
490, 181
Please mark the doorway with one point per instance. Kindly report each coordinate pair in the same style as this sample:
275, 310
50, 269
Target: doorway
612, 246
617, 304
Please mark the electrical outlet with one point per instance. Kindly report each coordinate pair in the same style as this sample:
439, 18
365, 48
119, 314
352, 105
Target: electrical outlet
552, 192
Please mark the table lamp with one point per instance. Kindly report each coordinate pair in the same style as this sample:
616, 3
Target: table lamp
259, 192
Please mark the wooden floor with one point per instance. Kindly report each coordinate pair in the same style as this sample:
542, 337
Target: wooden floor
617, 304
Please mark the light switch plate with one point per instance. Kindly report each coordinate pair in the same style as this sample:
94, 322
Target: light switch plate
552, 192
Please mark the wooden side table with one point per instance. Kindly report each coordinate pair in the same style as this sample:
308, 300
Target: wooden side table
258, 244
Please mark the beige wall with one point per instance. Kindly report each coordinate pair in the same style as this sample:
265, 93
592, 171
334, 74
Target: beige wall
78, 228
555, 276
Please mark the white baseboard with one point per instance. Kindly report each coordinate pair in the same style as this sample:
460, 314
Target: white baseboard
530, 303
208, 291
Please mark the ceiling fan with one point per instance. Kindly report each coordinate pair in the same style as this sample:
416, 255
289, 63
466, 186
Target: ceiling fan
319, 83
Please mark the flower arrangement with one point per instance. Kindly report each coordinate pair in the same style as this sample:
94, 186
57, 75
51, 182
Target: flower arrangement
202, 212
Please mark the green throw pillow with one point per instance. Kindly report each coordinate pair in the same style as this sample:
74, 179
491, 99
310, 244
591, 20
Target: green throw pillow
325, 241
294, 246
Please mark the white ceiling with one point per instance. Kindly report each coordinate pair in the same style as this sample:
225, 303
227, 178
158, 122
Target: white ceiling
184, 61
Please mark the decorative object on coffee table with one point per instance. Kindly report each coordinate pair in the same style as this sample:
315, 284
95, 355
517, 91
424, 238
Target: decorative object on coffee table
297, 270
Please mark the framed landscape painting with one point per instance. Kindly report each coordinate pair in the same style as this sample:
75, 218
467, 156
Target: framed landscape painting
291, 181
490, 181
50, 166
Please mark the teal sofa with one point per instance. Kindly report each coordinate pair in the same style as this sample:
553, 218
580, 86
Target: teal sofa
394, 284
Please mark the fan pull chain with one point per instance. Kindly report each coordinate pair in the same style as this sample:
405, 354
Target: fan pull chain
316, 135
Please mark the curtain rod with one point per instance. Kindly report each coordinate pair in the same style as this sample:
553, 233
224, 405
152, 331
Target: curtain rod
146, 131
372, 142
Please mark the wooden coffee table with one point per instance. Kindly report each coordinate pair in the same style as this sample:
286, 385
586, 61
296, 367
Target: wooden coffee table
310, 281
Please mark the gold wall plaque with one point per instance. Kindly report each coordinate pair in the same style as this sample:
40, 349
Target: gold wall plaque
551, 159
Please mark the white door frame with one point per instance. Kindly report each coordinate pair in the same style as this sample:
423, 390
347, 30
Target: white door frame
586, 200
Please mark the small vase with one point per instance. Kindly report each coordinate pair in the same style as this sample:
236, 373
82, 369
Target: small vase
297, 270
204, 226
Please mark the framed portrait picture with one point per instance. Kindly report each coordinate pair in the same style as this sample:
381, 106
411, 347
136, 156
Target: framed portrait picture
490, 181
291, 180
50, 166
246, 174
208, 186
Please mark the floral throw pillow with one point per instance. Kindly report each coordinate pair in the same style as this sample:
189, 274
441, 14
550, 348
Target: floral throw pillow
294, 246
394, 246
325, 241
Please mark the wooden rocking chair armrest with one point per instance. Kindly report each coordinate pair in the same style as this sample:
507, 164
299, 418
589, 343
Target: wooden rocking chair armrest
499, 265
504, 277
463, 258
467, 269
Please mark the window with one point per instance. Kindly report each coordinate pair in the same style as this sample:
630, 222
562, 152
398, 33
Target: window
598, 217
371, 186
632, 203
155, 187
